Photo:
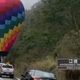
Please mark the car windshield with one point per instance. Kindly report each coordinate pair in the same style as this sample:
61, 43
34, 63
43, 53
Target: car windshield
41, 74
7, 66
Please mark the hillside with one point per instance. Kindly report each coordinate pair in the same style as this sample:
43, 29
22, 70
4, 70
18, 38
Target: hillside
46, 35
69, 46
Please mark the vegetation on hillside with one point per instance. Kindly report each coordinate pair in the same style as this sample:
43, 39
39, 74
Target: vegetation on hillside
46, 31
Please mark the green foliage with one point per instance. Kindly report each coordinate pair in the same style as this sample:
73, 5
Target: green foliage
69, 46
45, 26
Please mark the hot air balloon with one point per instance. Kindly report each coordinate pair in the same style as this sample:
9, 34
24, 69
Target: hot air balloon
12, 15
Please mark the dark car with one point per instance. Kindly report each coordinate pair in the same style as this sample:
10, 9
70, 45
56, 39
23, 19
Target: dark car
38, 75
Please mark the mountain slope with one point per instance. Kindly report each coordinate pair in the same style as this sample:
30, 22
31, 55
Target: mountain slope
46, 35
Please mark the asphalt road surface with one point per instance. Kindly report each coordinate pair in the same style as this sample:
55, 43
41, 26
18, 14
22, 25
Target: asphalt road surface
5, 78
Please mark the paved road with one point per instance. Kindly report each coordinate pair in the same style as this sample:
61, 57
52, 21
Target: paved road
9, 79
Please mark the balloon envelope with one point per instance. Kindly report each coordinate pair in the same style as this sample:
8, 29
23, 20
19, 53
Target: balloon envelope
12, 14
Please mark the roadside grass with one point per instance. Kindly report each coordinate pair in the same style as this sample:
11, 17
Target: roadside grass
45, 64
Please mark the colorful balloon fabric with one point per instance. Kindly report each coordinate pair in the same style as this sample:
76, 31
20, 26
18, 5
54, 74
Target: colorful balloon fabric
11, 17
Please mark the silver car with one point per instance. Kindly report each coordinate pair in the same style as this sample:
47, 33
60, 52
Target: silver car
38, 75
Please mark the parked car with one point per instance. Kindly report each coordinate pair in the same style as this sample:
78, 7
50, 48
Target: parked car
6, 69
38, 75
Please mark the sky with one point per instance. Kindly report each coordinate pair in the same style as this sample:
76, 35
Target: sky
28, 3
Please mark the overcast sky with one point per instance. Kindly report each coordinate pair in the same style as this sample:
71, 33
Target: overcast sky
28, 3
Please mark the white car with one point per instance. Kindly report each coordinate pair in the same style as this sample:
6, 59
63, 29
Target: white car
6, 69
